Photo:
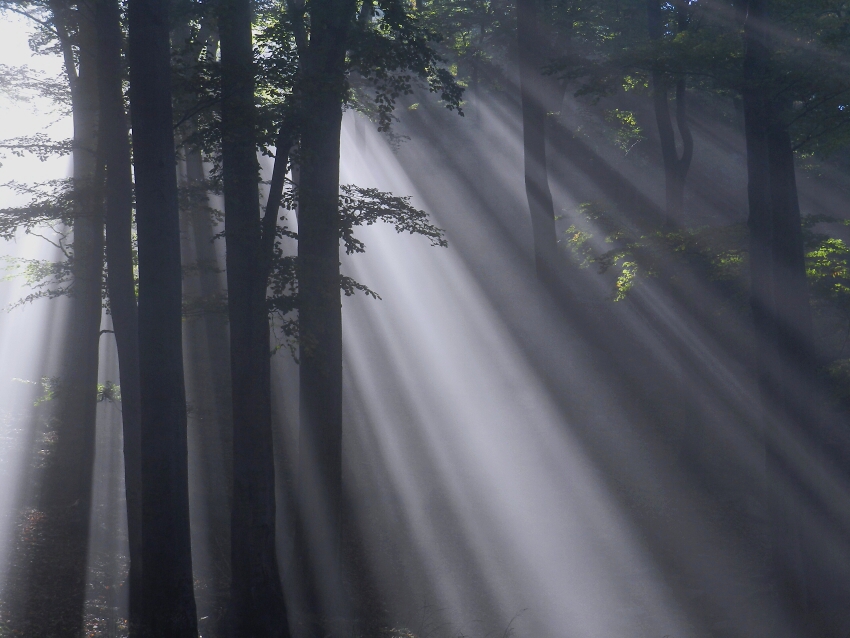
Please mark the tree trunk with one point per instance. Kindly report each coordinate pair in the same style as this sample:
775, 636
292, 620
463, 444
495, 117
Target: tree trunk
676, 167
317, 539
168, 602
54, 585
208, 366
215, 323
790, 385
115, 142
780, 308
79, 377
207, 359
257, 604
532, 55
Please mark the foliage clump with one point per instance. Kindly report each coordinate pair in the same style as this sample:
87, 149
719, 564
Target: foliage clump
358, 206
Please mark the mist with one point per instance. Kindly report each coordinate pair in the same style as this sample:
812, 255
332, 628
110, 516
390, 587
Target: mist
611, 427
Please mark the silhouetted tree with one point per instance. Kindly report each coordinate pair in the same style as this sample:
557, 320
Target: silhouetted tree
257, 606
779, 291
114, 151
322, 94
168, 603
386, 54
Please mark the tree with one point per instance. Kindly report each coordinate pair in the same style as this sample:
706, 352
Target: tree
386, 53
322, 93
475, 35
257, 606
55, 572
534, 52
794, 99
255, 261
114, 151
779, 294
206, 334
675, 166
168, 603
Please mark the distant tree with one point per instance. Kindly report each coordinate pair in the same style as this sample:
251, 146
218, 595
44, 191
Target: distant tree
676, 166
539, 95
476, 36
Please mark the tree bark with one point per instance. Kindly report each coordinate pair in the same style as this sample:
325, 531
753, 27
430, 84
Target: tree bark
532, 55
121, 286
257, 604
168, 603
54, 583
676, 166
780, 307
317, 538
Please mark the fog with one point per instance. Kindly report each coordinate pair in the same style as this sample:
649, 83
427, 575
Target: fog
516, 462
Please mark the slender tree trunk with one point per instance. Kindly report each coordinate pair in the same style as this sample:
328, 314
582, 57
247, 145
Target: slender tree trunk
676, 166
684, 163
208, 359
115, 142
215, 323
257, 604
780, 308
168, 602
532, 55
320, 320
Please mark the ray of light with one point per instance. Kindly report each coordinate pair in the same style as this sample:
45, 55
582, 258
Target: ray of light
502, 491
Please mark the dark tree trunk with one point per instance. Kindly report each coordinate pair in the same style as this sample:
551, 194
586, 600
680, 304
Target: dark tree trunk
676, 166
317, 540
168, 602
115, 142
780, 307
54, 585
789, 388
532, 56
791, 292
257, 606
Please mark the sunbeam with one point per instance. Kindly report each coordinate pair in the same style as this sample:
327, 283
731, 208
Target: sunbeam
453, 319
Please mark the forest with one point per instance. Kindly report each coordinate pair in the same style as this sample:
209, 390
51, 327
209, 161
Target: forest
425, 318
